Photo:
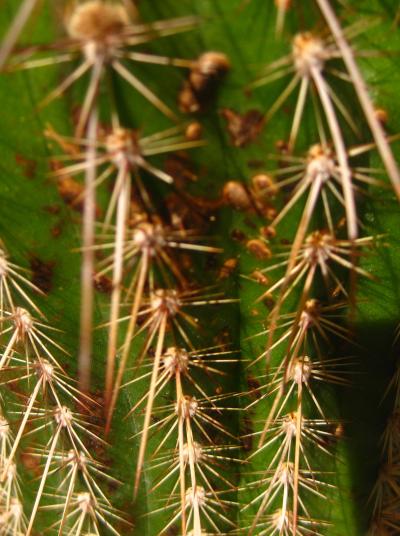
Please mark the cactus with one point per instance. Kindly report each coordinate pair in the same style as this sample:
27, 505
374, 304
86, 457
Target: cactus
198, 286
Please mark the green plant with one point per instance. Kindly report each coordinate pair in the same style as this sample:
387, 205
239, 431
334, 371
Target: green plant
198, 284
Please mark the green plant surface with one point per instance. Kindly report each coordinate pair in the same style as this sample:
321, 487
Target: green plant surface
42, 232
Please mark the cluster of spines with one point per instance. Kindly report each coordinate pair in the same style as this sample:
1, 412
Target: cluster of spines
306, 320
16, 329
133, 245
193, 469
384, 497
102, 36
156, 303
37, 399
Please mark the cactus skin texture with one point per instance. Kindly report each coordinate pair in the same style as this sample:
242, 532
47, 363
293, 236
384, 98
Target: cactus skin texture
199, 299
